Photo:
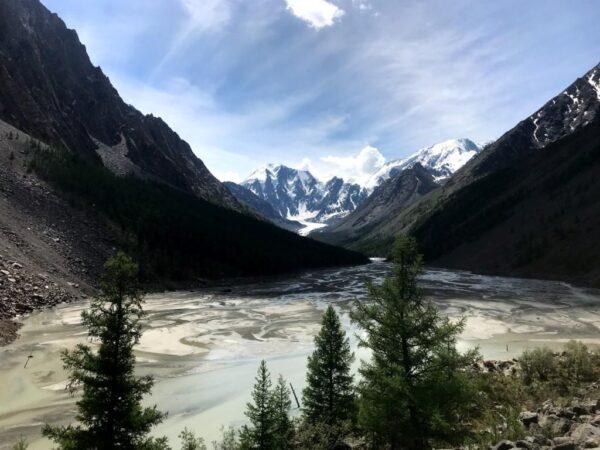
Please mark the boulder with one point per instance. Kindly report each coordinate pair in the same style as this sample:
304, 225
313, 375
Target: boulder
565, 446
528, 417
556, 425
586, 433
503, 445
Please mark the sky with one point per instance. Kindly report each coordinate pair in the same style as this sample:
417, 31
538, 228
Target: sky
334, 86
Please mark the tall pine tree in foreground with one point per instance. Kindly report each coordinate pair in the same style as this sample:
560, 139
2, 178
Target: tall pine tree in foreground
110, 413
414, 392
260, 434
328, 397
283, 426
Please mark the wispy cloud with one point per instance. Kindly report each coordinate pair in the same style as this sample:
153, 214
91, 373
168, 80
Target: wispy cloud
317, 13
206, 15
246, 86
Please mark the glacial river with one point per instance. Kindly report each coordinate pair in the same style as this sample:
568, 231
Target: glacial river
203, 347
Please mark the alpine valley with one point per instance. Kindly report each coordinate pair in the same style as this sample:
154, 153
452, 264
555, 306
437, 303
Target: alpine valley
404, 293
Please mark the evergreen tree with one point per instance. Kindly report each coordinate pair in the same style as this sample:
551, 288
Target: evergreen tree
189, 441
414, 390
260, 435
328, 396
110, 413
283, 426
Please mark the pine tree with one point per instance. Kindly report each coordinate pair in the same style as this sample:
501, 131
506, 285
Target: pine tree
189, 441
260, 434
283, 426
110, 413
329, 396
414, 391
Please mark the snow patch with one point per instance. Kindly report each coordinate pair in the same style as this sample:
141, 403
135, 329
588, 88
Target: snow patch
594, 84
443, 159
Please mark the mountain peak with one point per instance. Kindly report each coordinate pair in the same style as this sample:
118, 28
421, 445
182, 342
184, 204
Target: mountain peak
441, 160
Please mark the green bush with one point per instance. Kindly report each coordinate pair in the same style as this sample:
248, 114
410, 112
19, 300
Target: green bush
538, 365
578, 364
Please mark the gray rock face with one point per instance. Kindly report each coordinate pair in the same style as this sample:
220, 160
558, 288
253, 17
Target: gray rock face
50, 90
297, 194
260, 206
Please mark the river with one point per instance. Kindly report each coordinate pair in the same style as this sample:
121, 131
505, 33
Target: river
204, 347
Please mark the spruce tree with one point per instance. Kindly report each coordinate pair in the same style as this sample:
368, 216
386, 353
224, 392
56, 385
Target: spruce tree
189, 441
414, 391
329, 396
283, 426
260, 434
110, 413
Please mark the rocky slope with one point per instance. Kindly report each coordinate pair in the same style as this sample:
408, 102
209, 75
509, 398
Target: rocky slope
51, 91
50, 251
390, 198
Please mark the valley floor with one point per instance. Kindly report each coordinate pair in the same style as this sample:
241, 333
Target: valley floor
204, 346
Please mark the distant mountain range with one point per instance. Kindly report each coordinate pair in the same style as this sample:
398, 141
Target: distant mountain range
298, 196
526, 205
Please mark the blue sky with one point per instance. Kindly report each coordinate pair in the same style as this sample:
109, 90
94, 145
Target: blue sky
338, 86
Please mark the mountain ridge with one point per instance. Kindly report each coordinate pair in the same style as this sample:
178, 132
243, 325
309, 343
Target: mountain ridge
539, 172
52, 91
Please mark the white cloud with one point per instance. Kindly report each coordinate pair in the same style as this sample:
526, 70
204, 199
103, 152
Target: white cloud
318, 13
357, 168
228, 175
207, 15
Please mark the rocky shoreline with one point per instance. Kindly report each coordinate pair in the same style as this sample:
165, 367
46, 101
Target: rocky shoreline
555, 424
552, 427
22, 292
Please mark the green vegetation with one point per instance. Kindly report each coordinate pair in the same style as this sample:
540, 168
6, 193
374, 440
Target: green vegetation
415, 391
110, 414
270, 427
21, 444
546, 375
176, 236
329, 393
328, 399
189, 441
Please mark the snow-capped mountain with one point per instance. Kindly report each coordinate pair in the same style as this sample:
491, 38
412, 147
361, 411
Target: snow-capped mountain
440, 160
298, 195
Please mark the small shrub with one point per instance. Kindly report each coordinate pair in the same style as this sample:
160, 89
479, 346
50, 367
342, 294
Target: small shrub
537, 365
21, 444
189, 441
228, 440
578, 364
